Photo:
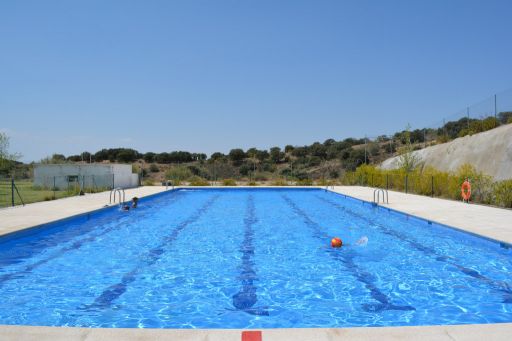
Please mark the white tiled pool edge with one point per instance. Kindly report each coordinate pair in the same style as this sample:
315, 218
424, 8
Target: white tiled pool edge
470, 332
486, 221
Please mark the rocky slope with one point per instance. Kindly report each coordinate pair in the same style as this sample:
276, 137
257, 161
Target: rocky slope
489, 152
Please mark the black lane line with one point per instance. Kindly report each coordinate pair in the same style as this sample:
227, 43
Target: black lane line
246, 298
503, 287
55, 235
346, 257
114, 291
75, 246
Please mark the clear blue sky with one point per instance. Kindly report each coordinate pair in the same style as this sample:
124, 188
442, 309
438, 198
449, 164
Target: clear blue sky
208, 76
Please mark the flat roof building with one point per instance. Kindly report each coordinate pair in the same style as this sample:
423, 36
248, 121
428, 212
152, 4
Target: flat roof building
93, 175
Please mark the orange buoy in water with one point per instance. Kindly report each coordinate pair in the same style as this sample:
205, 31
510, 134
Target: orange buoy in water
336, 242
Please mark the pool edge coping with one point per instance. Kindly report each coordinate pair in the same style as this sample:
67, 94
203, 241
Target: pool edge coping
22, 231
496, 331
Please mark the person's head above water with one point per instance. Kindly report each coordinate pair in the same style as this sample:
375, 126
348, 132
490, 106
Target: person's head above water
135, 201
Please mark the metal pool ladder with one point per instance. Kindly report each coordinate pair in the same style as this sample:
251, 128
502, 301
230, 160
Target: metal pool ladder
115, 191
376, 196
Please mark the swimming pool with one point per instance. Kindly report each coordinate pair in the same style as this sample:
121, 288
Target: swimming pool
251, 258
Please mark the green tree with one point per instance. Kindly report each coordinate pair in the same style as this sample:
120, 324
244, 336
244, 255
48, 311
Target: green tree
408, 161
237, 156
275, 154
217, 156
7, 160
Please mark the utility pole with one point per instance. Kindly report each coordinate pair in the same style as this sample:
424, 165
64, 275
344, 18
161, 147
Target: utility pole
365, 149
495, 110
467, 112
291, 170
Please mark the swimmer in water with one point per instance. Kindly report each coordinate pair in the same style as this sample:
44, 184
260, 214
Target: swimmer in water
362, 241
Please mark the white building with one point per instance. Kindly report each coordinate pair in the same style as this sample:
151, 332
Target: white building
94, 175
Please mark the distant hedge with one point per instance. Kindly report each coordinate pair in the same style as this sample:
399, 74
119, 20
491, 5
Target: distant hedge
432, 182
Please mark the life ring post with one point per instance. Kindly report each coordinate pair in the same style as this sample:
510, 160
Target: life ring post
465, 191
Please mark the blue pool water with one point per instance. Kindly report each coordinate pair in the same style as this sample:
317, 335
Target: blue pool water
251, 258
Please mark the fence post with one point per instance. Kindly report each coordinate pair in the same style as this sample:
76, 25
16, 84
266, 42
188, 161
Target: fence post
432, 185
53, 187
372, 179
12, 192
387, 181
112, 181
406, 182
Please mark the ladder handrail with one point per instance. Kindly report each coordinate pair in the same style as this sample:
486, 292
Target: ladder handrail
385, 195
117, 190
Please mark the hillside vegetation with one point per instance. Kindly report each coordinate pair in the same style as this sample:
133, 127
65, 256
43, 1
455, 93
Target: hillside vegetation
349, 161
329, 160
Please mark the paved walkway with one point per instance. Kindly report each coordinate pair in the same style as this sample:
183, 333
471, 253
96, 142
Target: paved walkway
21, 217
492, 222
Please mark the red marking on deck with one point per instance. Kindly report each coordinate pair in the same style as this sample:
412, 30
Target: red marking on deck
251, 335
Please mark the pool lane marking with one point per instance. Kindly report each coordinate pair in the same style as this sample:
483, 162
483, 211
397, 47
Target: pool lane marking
245, 299
252, 335
74, 246
346, 257
116, 290
503, 287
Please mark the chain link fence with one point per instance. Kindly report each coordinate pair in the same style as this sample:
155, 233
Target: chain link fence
434, 183
21, 191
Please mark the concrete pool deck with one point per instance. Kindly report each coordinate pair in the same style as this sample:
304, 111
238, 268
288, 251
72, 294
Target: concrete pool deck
17, 218
487, 221
491, 222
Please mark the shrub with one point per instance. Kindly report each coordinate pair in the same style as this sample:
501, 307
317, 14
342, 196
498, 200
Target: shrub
198, 181
444, 184
244, 169
252, 183
304, 182
503, 193
178, 174
260, 177
228, 182
322, 182
279, 182
148, 182
481, 184
153, 168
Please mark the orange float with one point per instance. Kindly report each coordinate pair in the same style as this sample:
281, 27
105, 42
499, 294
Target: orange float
465, 190
336, 242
